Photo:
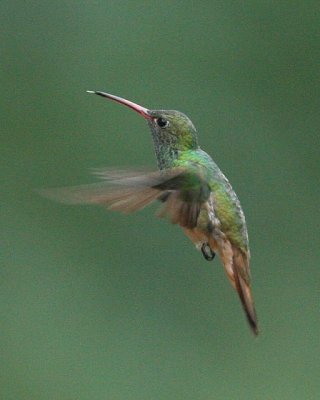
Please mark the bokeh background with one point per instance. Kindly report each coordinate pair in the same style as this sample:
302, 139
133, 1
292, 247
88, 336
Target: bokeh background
96, 305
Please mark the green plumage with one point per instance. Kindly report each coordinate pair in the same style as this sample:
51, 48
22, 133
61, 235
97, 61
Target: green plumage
177, 146
194, 192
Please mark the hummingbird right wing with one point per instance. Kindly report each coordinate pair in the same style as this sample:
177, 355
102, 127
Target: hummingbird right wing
182, 192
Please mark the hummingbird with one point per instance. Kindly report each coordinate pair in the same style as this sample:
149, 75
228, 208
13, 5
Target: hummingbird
192, 190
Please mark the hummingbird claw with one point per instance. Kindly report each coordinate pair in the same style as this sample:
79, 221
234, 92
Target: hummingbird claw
208, 254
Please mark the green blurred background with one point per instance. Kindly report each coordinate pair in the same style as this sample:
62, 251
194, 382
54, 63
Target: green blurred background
96, 305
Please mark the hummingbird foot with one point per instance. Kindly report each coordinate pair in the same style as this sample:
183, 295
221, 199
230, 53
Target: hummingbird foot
207, 252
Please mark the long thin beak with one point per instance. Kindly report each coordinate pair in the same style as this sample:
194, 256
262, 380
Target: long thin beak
139, 109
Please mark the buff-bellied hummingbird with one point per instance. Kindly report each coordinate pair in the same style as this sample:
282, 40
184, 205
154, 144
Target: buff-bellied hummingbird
193, 191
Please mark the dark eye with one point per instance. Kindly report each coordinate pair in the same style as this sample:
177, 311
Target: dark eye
162, 122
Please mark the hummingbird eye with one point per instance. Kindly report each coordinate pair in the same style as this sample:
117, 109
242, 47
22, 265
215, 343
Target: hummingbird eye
162, 122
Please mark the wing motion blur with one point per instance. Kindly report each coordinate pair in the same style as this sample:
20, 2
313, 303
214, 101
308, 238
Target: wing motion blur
130, 191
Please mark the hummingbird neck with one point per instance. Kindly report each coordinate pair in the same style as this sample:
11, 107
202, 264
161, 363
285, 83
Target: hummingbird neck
168, 149
166, 155
166, 152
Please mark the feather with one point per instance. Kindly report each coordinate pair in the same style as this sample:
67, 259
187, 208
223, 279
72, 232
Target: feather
236, 265
130, 191
242, 283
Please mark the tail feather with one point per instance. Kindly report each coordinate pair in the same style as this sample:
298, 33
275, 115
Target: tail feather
236, 265
242, 285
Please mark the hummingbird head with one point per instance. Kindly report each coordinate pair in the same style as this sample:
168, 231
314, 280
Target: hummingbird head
172, 131
172, 128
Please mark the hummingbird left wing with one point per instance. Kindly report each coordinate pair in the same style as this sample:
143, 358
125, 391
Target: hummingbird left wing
121, 190
183, 195
182, 192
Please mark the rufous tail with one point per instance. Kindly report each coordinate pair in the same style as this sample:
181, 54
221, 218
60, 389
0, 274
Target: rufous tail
241, 275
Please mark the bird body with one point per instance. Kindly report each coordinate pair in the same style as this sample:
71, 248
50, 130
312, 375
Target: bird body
221, 225
192, 189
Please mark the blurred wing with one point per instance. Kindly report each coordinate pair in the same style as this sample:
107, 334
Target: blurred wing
130, 191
